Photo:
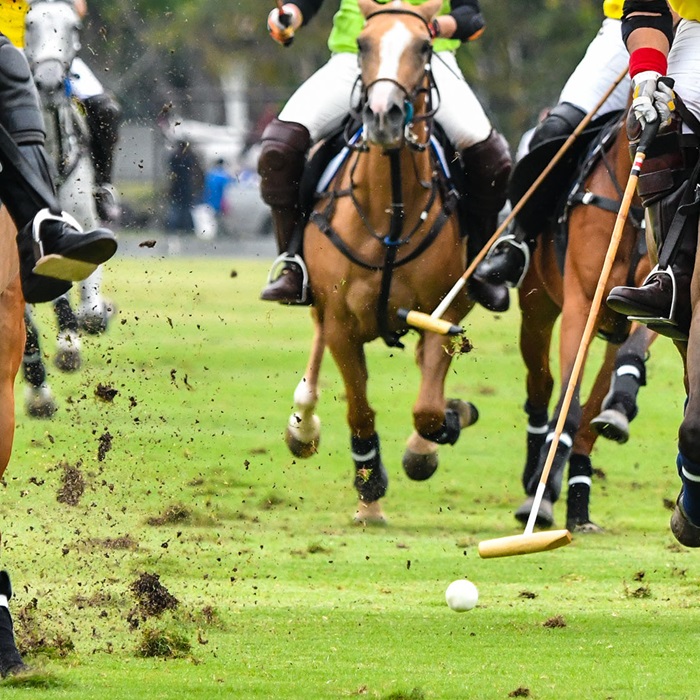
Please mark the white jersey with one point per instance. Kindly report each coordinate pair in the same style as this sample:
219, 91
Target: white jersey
603, 62
684, 65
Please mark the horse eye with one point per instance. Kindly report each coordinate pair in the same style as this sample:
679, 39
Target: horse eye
425, 48
361, 45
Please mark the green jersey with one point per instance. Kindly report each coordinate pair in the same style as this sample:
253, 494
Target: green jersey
348, 23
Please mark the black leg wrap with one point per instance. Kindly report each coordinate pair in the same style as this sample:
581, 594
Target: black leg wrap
449, 433
67, 320
103, 115
561, 457
371, 479
629, 375
10, 659
579, 493
536, 434
32, 363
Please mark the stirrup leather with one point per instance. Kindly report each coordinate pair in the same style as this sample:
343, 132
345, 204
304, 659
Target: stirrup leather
280, 262
524, 248
46, 215
660, 320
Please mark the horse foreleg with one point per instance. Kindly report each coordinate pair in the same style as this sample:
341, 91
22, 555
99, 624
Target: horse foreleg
436, 421
68, 341
539, 314
11, 348
629, 374
303, 432
371, 480
580, 467
39, 401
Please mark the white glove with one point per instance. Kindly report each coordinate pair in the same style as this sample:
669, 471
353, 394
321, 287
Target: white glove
653, 99
643, 96
282, 28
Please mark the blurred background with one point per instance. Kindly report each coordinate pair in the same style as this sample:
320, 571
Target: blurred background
205, 72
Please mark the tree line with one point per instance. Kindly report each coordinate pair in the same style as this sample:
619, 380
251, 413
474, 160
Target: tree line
157, 52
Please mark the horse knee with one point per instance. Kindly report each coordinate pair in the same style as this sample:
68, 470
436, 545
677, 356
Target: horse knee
445, 434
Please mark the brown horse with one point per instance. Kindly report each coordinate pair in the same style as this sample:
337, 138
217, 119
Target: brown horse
11, 333
385, 236
544, 295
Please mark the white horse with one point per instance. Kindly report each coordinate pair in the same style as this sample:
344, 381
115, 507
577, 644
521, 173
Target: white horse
52, 40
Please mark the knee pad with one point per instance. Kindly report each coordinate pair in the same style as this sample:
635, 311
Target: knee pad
561, 121
281, 162
20, 113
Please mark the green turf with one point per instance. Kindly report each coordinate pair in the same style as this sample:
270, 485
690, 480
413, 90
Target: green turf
280, 596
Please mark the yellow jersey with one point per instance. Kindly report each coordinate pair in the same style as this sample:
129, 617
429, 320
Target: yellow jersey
12, 18
687, 9
613, 8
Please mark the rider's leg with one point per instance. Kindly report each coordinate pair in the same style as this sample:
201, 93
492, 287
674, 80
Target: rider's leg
487, 168
281, 166
103, 115
509, 257
52, 250
665, 294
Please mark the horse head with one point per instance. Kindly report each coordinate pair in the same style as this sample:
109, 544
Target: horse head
395, 49
52, 39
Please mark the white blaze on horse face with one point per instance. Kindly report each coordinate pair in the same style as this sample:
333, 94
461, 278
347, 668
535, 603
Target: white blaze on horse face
391, 48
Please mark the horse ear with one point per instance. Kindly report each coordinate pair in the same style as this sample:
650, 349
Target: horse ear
428, 10
367, 7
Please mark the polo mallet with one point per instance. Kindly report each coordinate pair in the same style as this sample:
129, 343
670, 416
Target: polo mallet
433, 322
285, 20
530, 542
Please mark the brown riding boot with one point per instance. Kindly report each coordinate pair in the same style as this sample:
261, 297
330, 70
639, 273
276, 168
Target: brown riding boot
487, 167
281, 166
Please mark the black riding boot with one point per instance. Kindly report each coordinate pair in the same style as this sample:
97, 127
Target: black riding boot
486, 168
103, 116
507, 261
663, 301
52, 250
281, 166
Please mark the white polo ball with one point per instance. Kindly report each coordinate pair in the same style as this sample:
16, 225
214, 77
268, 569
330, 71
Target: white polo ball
461, 595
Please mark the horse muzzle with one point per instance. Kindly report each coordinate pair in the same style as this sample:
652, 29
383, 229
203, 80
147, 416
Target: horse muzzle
49, 77
384, 121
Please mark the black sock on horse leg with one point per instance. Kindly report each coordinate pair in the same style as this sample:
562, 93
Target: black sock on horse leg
690, 476
629, 375
579, 493
9, 656
32, 364
67, 320
371, 479
536, 433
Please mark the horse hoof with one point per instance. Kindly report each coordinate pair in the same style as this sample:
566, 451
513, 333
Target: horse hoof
467, 411
301, 449
419, 467
681, 527
94, 320
545, 514
68, 352
585, 528
39, 402
369, 514
613, 425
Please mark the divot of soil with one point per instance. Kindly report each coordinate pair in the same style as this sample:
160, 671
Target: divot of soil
554, 622
104, 445
105, 392
163, 644
519, 693
72, 484
176, 513
152, 596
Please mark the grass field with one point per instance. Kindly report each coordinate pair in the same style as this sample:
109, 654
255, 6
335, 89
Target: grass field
164, 544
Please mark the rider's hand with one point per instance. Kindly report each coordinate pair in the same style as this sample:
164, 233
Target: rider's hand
643, 96
283, 25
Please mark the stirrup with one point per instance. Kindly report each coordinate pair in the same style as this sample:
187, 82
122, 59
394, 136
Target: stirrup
278, 265
523, 247
660, 320
47, 215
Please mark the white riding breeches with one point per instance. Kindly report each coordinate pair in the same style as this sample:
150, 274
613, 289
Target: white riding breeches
602, 63
684, 65
323, 101
83, 82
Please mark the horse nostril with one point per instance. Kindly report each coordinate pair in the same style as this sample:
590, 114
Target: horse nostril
395, 115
